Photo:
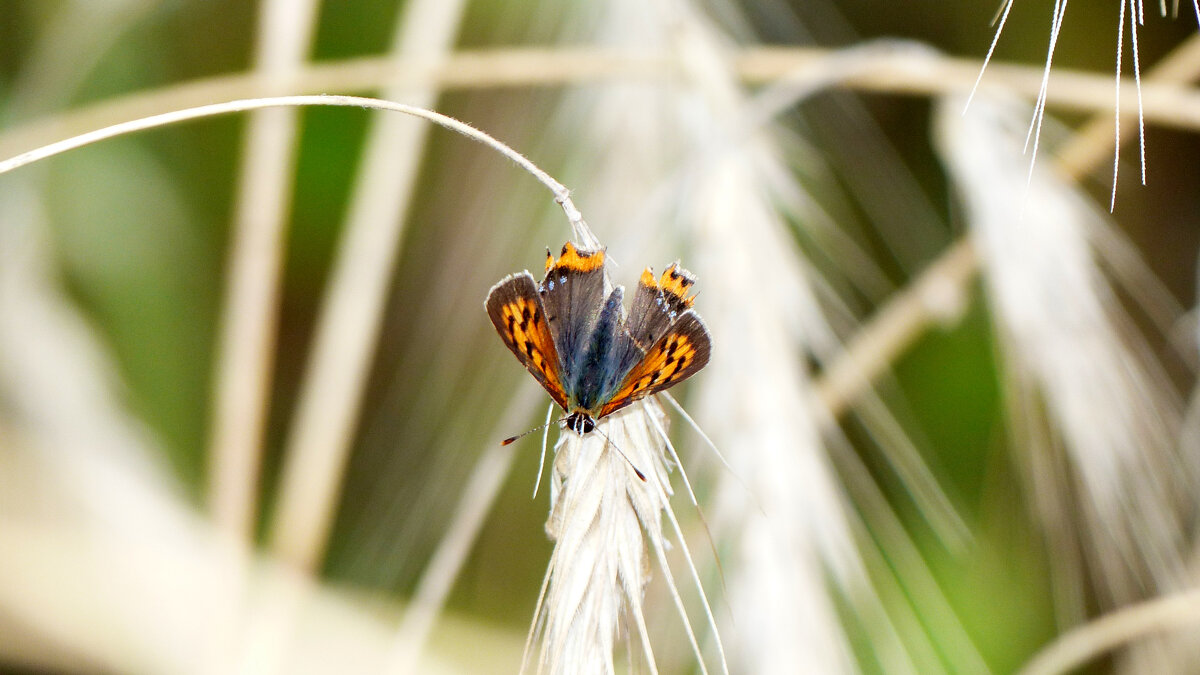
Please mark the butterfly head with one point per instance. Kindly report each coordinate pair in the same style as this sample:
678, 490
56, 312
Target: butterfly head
580, 422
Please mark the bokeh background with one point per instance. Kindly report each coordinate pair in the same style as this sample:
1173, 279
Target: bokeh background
117, 260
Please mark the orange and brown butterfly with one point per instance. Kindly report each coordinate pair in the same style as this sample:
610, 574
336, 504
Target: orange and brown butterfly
579, 344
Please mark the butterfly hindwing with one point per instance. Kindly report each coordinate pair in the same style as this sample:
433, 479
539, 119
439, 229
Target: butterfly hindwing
656, 304
681, 352
515, 308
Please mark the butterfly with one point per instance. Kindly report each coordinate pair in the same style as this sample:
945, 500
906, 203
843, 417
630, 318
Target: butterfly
583, 349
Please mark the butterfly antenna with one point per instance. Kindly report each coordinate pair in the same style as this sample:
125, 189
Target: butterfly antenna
633, 466
513, 439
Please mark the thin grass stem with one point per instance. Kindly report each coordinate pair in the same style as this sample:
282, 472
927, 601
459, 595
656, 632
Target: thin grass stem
687, 555
561, 194
1084, 643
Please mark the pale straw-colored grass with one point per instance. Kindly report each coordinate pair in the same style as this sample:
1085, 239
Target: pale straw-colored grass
246, 345
915, 72
1095, 416
597, 575
319, 439
105, 562
429, 598
320, 434
780, 511
262, 209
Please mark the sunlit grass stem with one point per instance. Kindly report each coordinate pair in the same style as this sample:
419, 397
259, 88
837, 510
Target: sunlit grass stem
246, 342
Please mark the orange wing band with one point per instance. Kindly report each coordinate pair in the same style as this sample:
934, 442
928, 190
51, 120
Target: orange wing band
576, 260
677, 283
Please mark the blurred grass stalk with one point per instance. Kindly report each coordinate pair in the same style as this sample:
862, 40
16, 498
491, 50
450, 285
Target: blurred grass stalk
244, 357
786, 525
916, 72
318, 441
1084, 381
1081, 382
319, 438
245, 350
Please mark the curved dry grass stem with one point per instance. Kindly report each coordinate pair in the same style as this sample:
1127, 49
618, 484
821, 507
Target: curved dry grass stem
1084, 643
561, 194
1164, 102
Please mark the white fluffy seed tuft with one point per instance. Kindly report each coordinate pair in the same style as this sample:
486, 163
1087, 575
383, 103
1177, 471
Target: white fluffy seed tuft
1098, 420
601, 517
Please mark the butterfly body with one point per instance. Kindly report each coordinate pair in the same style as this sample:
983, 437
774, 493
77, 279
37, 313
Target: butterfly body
579, 344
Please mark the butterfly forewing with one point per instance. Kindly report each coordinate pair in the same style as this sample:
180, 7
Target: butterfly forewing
516, 311
680, 353
572, 293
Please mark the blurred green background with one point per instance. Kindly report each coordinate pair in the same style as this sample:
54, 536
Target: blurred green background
141, 227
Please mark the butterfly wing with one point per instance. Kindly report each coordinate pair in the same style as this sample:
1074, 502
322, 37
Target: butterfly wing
680, 353
656, 304
572, 293
516, 311
575, 343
